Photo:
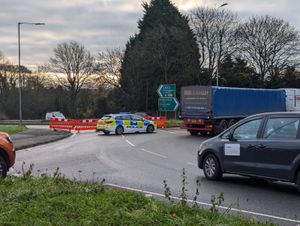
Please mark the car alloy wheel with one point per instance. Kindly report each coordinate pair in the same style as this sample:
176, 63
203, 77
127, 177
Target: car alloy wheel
119, 130
150, 129
211, 168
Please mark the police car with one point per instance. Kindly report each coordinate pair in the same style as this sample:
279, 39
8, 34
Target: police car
125, 123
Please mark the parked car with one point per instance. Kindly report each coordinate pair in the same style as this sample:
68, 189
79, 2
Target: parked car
7, 154
264, 145
55, 114
125, 123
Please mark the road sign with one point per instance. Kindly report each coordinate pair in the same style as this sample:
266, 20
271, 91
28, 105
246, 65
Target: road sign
167, 90
168, 104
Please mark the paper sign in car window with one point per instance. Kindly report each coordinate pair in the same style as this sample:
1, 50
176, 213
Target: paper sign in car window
232, 150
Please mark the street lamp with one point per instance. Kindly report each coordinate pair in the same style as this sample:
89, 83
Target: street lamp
217, 72
20, 79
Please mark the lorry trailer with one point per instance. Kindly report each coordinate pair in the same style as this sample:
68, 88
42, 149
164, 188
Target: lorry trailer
211, 110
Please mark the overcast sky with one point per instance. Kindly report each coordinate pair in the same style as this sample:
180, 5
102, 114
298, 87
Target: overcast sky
101, 24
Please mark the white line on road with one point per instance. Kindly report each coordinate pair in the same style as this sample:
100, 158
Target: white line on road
153, 153
192, 164
130, 143
208, 204
123, 136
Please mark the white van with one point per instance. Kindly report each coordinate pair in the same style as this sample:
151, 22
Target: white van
55, 114
292, 99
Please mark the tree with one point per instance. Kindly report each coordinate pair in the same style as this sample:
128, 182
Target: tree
269, 44
73, 65
215, 30
109, 66
163, 51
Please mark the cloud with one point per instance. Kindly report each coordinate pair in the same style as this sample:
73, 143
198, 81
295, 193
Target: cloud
101, 24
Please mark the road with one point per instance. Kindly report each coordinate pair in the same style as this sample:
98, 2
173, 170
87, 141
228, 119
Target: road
143, 161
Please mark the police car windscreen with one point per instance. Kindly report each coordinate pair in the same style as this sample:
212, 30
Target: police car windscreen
195, 100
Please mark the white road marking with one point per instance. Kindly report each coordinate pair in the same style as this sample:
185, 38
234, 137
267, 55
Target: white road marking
123, 136
208, 204
192, 164
153, 153
130, 143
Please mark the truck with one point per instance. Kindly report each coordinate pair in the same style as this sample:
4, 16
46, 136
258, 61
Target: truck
211, 110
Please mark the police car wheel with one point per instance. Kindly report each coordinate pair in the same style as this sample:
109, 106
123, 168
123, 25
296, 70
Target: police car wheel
106, 132
150, 129
119, 130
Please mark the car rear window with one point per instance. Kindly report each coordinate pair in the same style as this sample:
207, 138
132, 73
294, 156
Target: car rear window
282, 128
106, 117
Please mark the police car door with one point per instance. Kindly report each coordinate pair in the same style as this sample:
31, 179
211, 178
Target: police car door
138, 123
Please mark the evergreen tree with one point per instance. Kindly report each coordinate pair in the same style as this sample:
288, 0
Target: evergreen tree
164, 51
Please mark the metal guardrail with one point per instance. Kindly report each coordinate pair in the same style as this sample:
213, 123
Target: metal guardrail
25, 122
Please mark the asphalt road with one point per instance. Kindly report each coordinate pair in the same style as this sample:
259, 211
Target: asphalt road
143, 161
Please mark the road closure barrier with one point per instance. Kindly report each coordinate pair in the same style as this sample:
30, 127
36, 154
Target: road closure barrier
161, 121
73, 124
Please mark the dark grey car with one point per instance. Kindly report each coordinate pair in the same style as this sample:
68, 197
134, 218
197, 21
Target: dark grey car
265, 145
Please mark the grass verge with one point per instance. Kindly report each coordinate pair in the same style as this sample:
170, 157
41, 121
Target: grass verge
11, 129
59, 201
174, 123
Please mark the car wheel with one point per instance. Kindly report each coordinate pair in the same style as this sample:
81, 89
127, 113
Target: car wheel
298, 181
194, 133
106, 132
3, 167
119, 130
211, 167
150, 129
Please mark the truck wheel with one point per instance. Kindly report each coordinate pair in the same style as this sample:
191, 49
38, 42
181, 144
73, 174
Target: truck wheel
193, 132
231, 122
220, 127
211, 167
119, 130
3, 167
204, 133
150, 129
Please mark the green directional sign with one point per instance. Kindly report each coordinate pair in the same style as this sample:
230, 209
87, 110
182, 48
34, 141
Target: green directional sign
168, 104
167, 90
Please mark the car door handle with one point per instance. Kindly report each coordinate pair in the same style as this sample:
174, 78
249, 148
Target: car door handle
262, 146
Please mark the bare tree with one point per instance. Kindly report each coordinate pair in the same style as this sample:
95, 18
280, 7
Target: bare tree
73, 65
214, 29
109, 66
270, 44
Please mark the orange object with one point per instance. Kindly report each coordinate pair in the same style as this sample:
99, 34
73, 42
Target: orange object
7, 154
73, 124
161, 121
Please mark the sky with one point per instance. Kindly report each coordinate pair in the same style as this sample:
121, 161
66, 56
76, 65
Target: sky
102, 24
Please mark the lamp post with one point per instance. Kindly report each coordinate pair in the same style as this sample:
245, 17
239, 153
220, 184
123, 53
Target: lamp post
20, 77
218, 60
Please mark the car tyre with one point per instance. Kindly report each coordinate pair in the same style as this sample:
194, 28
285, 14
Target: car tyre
194, 133
298, 181
211, 167
119, 130
3, 167
150, 129
106, 132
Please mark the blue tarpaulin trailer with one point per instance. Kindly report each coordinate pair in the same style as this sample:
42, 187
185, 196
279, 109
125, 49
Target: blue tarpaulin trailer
213, 109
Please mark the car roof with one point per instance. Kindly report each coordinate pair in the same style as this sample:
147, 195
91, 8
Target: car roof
276, 114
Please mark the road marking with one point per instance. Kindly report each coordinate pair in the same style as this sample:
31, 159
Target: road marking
192, 164
153, 153
123, 136
208, 204
130, 143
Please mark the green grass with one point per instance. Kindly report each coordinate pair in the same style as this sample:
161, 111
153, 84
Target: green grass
174, 123
11, 129
58, 201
